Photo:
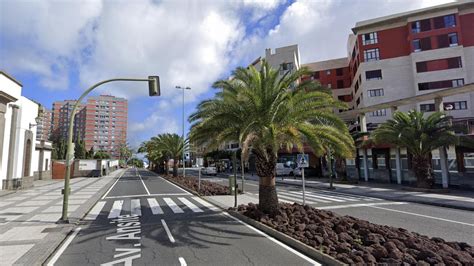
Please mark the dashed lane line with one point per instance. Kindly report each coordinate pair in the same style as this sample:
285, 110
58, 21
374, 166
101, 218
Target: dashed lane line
182, 262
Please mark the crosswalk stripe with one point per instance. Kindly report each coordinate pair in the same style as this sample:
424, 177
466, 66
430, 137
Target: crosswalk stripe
116, 209
175, 208
317, 196
135, 207
300, 200
92, 215
331, 197
155, 207
190, 205
296, 194
206, 204
349, 196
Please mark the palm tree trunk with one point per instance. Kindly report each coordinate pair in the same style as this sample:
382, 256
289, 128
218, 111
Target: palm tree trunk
267, 197
422, 169
175, 168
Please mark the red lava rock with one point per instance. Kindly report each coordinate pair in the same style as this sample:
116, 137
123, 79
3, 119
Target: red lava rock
207, 188
359, 242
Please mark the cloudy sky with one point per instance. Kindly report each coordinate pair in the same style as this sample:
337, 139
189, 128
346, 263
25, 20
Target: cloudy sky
59, 48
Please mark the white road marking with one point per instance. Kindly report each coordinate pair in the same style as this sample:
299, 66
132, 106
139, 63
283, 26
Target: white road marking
448, 197
327, 197
299, 196
426, 216
92, 215
155, 207
108, 191
135, 207
147, 191
168, 232
360, 205
295, 199
116, 209
206, 204
175, 208
187, 193
145, 195
63, 247
297, 253
190, 205
182, 261
355, 197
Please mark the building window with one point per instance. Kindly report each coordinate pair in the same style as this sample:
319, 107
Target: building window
421, 25
440, 84
376, 92
316, 75
429, 107
454, 62
339, 72
462, 105
453, 39
329, 85
415, 27
358, 101
369, 38
340, 84
373, 74
328, 72
371, 55
449, 21
439, 64
422, 44
381, 112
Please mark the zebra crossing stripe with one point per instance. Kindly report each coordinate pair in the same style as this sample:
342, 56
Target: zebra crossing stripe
92, 215
327, 199
136, 209
175, 208
190, 205
294, 199
300, 195
155, 207
331, 197
351, 196
206, 204
116, 209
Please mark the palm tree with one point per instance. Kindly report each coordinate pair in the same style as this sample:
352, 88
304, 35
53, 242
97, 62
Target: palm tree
420, 135
267, 112
172, 146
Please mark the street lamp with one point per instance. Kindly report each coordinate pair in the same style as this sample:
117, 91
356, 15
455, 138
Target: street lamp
184, 143
153, 90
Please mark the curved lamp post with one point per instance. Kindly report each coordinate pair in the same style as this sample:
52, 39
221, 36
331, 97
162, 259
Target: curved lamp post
154, 90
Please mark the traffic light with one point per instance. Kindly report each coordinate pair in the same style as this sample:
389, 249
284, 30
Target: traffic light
154, 85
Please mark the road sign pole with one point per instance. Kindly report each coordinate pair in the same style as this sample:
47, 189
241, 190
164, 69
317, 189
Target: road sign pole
199, 180
302, 176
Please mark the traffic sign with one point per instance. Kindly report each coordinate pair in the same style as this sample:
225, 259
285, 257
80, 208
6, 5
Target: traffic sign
303, 160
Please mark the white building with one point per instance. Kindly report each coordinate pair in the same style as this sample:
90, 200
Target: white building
19, 153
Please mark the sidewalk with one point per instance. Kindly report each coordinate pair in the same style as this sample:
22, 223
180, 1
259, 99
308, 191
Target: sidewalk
28, 229
456, 199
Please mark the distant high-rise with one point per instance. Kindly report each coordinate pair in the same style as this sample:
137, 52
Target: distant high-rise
101, 122
44, 125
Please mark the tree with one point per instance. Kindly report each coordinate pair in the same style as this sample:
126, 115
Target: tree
59, 149
125, 151
101, 155
80, 151
135, 162
266, 112
420, 135
90, 153
171, 146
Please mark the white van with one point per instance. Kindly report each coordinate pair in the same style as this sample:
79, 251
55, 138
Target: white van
283, 170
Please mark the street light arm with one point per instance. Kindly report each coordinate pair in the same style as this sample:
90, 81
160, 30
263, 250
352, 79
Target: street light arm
70, 151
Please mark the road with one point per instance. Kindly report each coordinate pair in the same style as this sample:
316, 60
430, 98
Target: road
447, 223
145, 220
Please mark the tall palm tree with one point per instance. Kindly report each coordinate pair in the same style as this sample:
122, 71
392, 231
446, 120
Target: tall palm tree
420, 135
265, 112
172, 146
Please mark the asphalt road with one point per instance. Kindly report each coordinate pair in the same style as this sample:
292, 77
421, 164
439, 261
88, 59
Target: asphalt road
447, 223
145, 220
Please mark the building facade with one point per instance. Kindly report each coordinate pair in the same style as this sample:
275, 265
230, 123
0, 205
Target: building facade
44, 126
104, 124
21, 156
101, 122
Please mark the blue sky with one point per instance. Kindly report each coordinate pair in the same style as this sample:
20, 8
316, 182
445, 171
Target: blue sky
59, 48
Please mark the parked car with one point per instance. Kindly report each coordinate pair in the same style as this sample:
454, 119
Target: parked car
210, 170
283, 170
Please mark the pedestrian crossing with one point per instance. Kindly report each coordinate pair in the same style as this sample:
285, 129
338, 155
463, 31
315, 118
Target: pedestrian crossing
321, 197
157, 206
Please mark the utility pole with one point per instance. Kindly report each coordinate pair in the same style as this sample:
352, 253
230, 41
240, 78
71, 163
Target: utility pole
184, 142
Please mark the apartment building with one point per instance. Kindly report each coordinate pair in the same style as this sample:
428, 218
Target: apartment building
104, 123
101, 122
44, 125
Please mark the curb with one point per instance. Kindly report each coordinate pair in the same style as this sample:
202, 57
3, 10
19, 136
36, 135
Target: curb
437, 204
297, 245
